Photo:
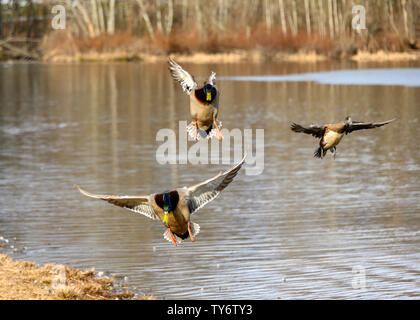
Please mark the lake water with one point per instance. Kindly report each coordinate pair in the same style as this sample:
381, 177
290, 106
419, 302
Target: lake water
304, 228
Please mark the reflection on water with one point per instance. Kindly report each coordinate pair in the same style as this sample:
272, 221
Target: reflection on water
305, 228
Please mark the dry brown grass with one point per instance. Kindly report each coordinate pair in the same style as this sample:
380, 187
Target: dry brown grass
364, 56
191, 41
22, 280
61, 46
257, 44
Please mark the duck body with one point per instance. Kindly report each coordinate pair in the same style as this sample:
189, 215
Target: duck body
202, 111
174, 208
204, 103
180, 216
330, 135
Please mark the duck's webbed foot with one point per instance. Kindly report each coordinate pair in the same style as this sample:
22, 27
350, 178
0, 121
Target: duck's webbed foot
172, 236
218, 133
189, 232
195, 130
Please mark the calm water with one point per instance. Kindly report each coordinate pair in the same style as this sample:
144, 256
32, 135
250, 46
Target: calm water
303, 229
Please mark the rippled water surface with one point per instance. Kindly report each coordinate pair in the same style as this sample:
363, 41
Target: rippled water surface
303, 229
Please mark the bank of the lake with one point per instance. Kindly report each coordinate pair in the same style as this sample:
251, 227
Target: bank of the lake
237, 56
24, 280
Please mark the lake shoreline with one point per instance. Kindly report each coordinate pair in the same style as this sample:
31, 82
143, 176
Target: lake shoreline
237, 56
232, 56
25, 280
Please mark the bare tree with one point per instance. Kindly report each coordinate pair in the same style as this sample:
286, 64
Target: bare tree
307, 17
405, 18
267, 11
170, 17
111, 17
330, 18
85, 16
321, 19
219, 18
1, 20
145, 16
282, 17
95, 17
198, 18
158, 17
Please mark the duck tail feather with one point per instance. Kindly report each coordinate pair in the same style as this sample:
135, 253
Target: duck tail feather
168, 237
212, 131
317, 153
195, 228
203, 134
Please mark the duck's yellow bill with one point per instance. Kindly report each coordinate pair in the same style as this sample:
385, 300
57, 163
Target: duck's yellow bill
208, 97
165, 217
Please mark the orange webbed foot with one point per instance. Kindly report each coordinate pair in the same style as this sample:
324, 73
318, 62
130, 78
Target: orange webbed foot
172, 236
218, 133
190, 233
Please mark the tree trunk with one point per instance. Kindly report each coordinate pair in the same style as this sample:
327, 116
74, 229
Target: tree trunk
30, 27
198, 16
307, 17
282, 17
169, 17
267, 11
295, 19
405, 18
341, 23
15, 29
220, 20
184, 13
101, 15
391, 18
321, 19
44, 16
330, 18
146, 19
336, 23
95, 16
159, 17
1, 20
85, 16
111, 17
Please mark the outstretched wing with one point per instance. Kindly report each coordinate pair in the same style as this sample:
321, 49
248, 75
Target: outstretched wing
183, 77
202, 193
212, 78
316, 131
138, 204
356, 125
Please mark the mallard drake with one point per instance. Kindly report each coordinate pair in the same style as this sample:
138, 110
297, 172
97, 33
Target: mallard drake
204, 103
173, 208
331, 134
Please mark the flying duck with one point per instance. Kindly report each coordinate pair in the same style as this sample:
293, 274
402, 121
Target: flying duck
174, 208
204, 103
331, 134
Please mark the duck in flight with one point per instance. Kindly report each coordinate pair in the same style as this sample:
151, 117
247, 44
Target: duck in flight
331, 134
174, 208
204, 103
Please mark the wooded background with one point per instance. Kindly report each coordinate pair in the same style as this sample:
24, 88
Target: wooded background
219, 24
